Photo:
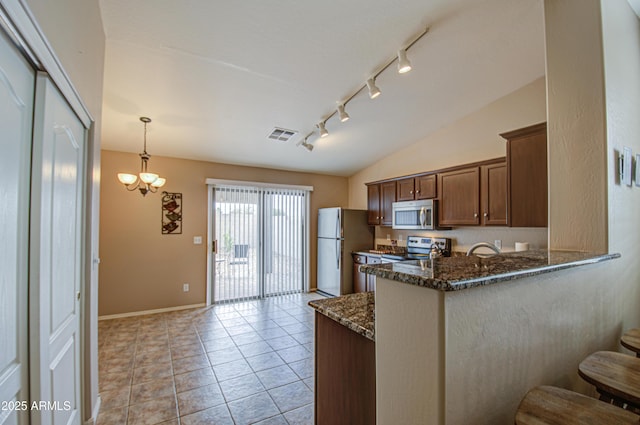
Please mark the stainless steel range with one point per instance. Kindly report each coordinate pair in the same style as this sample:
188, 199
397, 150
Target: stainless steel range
420, 247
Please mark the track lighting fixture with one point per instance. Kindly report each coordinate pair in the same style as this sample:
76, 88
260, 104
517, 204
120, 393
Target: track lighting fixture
308, 146
374, 91
404, 65
323, 129
342, 114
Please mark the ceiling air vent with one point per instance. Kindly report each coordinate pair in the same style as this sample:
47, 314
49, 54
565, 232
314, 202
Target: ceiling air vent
281, 134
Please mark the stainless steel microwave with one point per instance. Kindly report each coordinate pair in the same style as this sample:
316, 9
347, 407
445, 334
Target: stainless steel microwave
421, 215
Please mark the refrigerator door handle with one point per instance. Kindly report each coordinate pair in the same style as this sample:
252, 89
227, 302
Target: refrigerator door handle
338, 243
338, 233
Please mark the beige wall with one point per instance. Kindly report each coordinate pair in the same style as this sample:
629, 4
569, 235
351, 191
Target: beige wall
74, 30
141, 269
472, 138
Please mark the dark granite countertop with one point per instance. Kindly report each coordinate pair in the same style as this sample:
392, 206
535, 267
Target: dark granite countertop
355, 311
462, 272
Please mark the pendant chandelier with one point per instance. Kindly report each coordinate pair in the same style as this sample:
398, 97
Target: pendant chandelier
145, 181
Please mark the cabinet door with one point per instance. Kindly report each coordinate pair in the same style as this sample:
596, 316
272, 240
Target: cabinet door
387, 198
494, 194
426, 187
359, 278
405, 189
527, 176
373, 204
459, 197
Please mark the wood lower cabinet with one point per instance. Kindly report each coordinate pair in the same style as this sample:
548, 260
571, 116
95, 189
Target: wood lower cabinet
527, 176
345, 375
359, 278
363, 282
415, 188
380, 197
459, 197
493, 194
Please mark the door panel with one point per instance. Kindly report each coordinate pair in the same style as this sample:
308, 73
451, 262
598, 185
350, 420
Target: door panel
17, 81
329, 225
56, 256
329, 265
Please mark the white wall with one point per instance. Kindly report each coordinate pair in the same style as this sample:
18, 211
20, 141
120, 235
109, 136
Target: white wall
472, 138
621, 39
576, 125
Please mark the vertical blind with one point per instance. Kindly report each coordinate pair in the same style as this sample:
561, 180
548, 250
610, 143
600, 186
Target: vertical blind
261, 242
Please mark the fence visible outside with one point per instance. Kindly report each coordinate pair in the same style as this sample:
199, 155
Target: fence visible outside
261, 244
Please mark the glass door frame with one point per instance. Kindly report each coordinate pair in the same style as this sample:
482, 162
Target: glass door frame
211, 242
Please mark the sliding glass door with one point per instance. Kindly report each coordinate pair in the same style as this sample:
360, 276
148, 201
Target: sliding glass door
260, 242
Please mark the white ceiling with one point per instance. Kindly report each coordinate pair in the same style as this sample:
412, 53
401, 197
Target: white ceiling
217, 76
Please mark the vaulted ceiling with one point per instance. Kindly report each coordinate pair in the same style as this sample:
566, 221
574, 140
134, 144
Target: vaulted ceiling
217, 76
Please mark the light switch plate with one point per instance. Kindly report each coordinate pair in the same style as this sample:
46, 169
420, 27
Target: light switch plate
197, 240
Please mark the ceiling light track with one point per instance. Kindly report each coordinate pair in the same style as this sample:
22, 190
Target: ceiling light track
404, 66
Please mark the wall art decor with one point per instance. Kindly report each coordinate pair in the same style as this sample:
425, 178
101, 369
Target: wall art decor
171, 213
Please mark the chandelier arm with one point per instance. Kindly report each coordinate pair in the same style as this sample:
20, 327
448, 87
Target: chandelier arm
137, 185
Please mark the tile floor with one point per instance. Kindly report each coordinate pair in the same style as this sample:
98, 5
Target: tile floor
238, 364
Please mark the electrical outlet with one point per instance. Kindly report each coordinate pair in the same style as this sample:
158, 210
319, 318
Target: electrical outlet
498, 243
197, 240
185, 287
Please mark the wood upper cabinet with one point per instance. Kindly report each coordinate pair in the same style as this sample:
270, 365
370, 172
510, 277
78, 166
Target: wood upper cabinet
413, 188
373, 204
474, 196
380, 197
459, 197
493, 194
527, 176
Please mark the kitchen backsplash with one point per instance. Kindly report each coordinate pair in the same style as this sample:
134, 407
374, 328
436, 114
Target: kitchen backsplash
463, 237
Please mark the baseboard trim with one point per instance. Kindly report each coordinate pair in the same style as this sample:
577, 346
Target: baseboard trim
144, 312
96, 410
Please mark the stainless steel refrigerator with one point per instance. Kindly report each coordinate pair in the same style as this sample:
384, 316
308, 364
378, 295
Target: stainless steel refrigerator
340, 232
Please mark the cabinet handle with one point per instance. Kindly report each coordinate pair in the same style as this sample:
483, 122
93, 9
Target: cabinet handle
417, 191
475, 215
377, 218
411, 192
486, 214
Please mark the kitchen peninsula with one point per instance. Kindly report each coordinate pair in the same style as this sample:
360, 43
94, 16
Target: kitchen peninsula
460, 340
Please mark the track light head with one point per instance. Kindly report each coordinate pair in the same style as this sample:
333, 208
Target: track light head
323, 129
342, 114
374, 91
403, 63
308, 146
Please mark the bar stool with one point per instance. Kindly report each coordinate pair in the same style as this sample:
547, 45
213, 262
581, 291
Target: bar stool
631, 341
616, 377
556, 406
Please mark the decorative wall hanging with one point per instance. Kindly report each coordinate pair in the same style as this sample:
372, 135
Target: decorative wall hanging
171, 213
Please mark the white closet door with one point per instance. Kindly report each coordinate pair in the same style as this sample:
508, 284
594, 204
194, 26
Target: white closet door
56, 257
17, 81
